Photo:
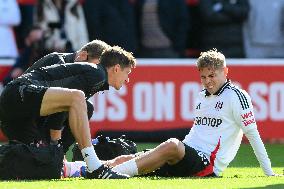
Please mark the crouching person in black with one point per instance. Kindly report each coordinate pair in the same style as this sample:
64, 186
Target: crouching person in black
49, 125
63, 88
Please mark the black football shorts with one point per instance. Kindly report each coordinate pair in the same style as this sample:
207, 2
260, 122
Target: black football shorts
192, 163
20, 109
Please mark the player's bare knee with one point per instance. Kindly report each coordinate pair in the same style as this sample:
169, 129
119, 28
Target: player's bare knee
170, 148
175, 151
78, 98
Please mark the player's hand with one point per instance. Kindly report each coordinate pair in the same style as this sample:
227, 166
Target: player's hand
16, 72
118, 160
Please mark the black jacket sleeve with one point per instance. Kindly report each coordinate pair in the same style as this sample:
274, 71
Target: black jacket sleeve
48, 60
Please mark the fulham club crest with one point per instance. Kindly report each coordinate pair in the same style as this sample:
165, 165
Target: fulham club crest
219, 106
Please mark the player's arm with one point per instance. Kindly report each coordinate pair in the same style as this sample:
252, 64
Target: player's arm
244, 116
260, 151
48, 60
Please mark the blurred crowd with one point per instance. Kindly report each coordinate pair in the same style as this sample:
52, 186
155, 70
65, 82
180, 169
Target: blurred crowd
30, 29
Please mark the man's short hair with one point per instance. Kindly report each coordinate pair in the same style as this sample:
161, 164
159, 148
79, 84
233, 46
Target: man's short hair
95, 48
212, 59
116, 55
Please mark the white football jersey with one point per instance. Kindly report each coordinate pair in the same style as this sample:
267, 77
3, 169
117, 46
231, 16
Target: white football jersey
219, 124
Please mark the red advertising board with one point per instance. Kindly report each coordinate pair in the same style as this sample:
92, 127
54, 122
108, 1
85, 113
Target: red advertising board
5, 66
161, 93
161, 96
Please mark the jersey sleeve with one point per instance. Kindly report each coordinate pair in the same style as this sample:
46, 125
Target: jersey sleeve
244, 116
243, 110
260, 151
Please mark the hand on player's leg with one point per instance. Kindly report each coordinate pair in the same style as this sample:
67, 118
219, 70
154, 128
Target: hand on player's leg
118, 160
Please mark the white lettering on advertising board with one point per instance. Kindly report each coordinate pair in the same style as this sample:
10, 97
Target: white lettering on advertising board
156, 101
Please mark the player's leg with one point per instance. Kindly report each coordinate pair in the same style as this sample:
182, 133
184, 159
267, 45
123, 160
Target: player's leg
67, 137
58, 126
170, 152
73, 101
194, 163
171, 158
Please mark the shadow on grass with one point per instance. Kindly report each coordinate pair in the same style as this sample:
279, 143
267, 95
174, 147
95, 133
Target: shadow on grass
43, 180
171, 178
274, 186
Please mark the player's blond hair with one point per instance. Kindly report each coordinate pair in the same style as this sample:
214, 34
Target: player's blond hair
212, 59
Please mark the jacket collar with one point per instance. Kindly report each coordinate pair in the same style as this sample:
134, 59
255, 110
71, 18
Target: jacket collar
69, 57
106, 84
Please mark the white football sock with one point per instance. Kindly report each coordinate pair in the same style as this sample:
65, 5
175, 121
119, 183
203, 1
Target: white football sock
91, 158
129, 168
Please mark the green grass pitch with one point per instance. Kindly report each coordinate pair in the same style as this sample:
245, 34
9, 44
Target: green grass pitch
243, 172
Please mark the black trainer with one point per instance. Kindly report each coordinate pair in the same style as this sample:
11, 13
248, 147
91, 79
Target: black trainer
104, 172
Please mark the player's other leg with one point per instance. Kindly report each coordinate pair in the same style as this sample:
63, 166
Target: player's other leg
169, 152
171, 159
